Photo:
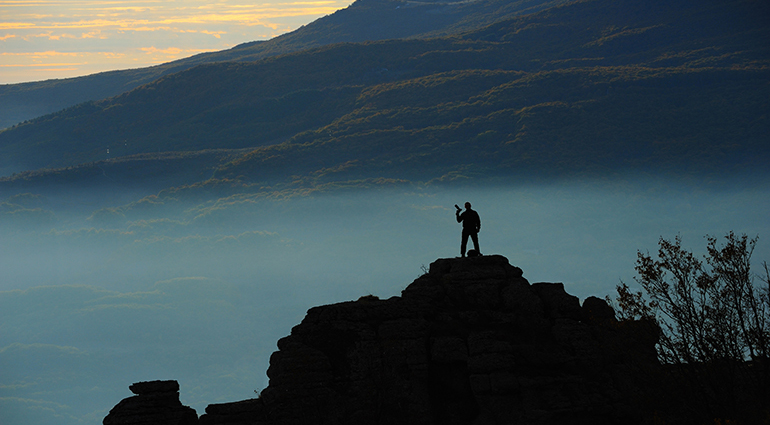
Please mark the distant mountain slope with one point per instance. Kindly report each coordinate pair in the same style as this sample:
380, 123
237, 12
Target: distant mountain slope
579, 125
364, 20
592, 87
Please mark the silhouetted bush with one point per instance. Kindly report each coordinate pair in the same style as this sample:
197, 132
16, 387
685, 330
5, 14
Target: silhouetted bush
714, 321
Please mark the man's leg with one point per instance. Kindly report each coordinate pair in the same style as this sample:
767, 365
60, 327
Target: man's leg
464, 243
475, 239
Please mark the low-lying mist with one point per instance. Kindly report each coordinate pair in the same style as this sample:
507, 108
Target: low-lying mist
201, 292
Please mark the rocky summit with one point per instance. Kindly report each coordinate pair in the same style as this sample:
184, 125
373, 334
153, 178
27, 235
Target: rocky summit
469, 342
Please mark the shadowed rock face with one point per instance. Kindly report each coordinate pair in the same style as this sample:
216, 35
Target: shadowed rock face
470, 342
155, 403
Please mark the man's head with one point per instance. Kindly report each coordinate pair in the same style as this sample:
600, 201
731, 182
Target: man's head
467, 205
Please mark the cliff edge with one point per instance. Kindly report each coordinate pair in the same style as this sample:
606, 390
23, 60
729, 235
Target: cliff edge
469, 342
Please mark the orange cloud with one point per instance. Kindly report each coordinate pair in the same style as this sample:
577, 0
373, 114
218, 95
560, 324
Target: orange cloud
94, 34
49, 53
128, 16
171, 51
217, 34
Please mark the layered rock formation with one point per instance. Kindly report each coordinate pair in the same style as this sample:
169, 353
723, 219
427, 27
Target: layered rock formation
469, 342
155, 403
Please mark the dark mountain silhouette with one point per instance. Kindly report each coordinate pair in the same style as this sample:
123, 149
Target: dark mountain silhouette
593, 88
469, 342
364, 20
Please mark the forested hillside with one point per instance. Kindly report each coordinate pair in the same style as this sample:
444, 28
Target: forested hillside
364, 20
592, 87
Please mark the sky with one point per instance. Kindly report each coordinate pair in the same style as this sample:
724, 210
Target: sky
47, 39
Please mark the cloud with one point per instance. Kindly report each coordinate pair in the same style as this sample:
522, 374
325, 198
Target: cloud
217, 34
23, 348
94, 34
38, 55
159, 55
30, 403
96, 15
154, 50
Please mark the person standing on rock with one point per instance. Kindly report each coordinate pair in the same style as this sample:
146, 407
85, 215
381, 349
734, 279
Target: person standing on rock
471, 226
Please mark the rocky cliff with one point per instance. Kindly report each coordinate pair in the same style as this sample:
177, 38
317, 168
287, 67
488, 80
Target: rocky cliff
469, 342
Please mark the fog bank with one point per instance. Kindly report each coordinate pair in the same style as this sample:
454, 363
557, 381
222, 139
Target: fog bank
201, 293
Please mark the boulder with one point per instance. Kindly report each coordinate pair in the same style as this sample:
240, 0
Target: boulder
155, 403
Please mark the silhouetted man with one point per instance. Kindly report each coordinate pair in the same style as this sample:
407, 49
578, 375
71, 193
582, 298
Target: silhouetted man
471, 226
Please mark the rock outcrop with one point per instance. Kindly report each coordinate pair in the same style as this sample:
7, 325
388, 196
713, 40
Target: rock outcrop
469, 342
155, 403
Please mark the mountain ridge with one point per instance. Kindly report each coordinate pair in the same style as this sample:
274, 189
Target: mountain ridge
585, 90
363, 20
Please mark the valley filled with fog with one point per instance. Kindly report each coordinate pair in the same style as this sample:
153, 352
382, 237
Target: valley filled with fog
200, 292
